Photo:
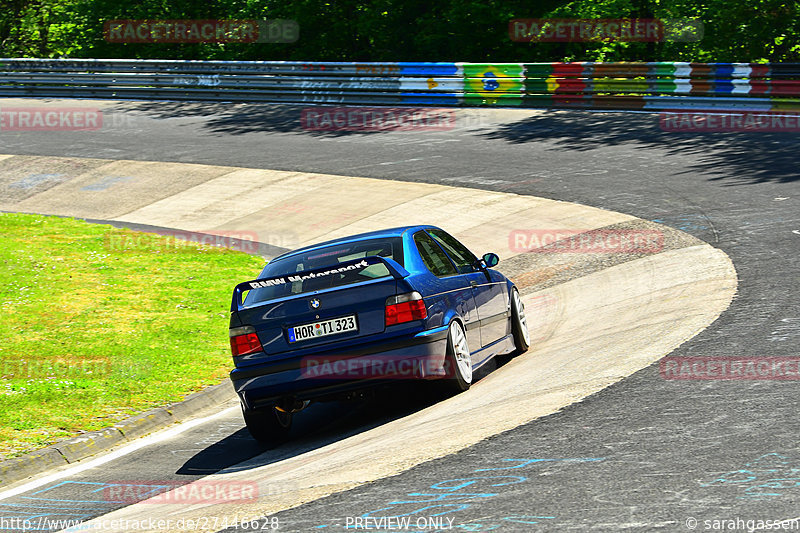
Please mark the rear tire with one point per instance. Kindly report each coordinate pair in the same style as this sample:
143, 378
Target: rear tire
268, 425
519, 324
457, 361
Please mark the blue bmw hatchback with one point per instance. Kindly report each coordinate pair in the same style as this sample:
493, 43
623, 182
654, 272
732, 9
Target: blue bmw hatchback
327, 320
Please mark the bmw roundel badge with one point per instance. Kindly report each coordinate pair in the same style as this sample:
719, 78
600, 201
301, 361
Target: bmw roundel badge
314, 303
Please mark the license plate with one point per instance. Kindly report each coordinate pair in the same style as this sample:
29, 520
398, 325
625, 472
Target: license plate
323, 328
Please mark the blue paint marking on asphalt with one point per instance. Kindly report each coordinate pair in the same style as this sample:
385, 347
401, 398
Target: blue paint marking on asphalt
39, 505
685, 223
454, 507
448, 491
768, 477
526, 462
33, 180
70, 487
472, 481
106, 183
61, 502
109, 490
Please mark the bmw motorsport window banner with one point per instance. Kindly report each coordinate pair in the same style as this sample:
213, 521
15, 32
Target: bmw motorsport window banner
347, 266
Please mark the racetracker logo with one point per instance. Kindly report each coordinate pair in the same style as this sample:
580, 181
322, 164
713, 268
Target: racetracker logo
50, 119
729, 368
169, 491
598, 241
376, 367
201, 31
377, 119
55, 368
732, 121
178, 240
604, 30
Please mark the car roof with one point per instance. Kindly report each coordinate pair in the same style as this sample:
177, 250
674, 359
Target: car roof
384, 233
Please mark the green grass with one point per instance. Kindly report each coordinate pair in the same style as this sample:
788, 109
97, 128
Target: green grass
99, 323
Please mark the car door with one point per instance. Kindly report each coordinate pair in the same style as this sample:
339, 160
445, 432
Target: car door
451, 286
490, 295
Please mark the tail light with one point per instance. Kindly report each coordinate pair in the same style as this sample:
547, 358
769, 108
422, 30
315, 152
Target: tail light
405, 308
244, 341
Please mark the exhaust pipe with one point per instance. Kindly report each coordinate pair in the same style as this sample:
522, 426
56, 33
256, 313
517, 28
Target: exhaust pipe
292, 405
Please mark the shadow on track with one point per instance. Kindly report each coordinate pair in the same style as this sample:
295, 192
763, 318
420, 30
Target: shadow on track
244, 118
738, 158
321, 424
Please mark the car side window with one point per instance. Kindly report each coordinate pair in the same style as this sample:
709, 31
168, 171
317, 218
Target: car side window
433, 256
464, 259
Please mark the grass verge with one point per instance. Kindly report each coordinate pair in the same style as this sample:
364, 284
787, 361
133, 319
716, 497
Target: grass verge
99, 323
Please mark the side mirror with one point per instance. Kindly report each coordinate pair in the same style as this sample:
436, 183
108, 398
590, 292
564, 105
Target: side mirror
490, 260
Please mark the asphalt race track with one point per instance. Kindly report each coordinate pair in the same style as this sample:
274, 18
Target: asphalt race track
643, 454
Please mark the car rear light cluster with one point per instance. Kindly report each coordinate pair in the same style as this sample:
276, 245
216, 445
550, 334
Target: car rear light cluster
405, 308
244, 341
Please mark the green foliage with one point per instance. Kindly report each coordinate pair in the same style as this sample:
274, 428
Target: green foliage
404, 30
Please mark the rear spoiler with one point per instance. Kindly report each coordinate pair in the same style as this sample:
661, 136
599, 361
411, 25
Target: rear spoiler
395, 269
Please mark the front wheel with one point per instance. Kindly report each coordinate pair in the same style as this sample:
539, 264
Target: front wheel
457, 361
519, 324
269, 425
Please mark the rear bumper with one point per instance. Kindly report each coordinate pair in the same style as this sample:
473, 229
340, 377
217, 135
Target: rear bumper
419, 356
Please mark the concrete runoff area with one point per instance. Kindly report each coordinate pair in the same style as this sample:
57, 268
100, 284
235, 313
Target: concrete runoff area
287, 209
604, 320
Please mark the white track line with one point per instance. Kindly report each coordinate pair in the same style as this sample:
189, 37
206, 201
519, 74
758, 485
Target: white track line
130, 448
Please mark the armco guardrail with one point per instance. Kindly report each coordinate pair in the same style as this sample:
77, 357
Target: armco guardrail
656, 85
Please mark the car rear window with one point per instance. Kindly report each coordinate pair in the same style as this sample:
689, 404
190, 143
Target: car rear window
329, 256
